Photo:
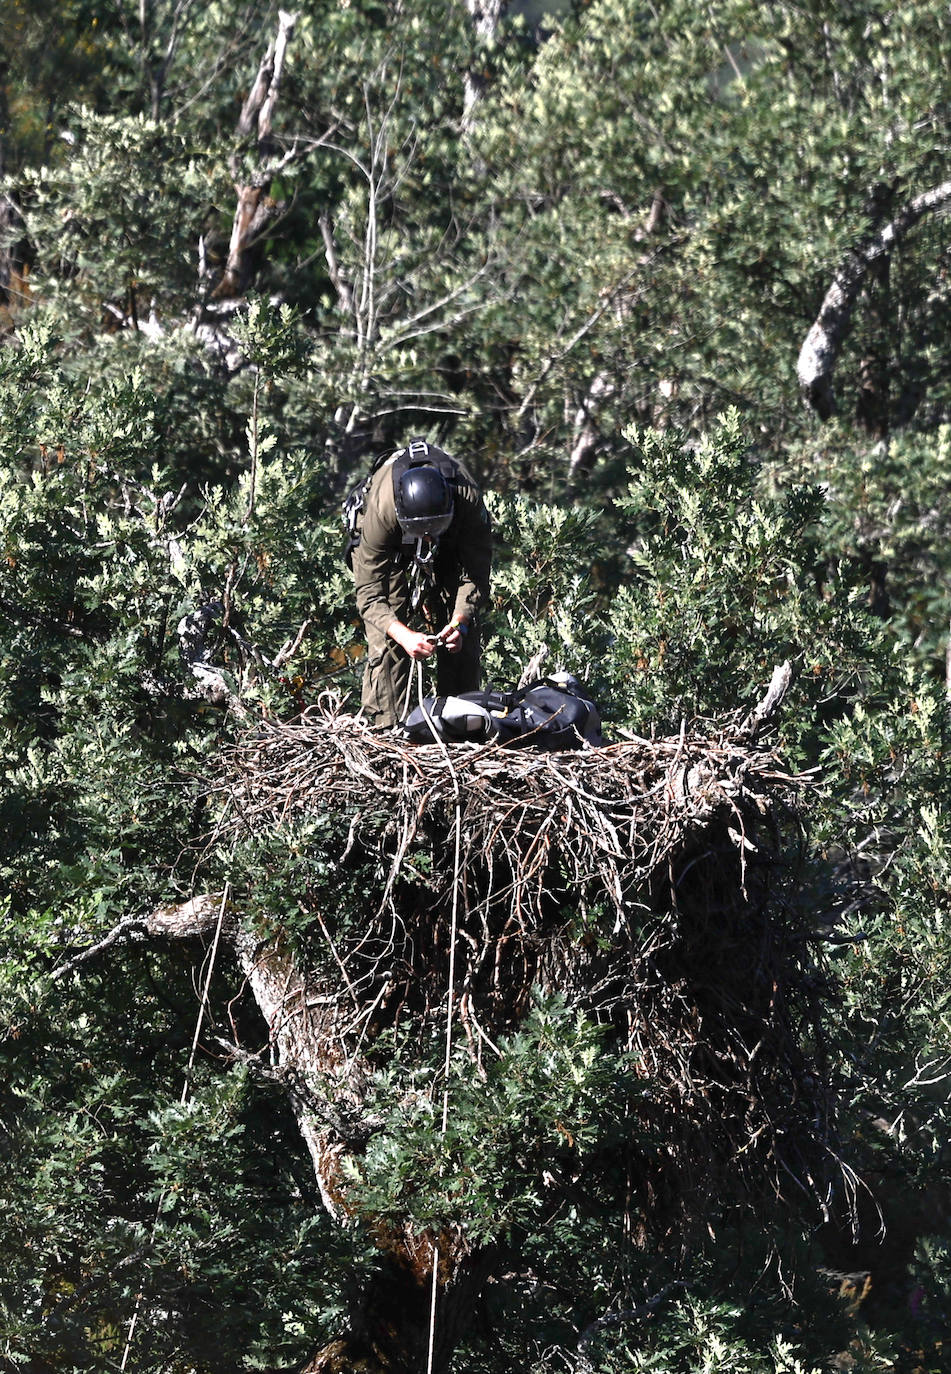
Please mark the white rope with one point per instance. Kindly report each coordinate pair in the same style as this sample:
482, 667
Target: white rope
450, 997
182, 1100
204, 995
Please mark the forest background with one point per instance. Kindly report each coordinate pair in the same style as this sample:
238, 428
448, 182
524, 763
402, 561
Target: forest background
242, 253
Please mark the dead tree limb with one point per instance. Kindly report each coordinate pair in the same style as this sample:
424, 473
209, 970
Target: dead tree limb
195, 917
820, 351
255, 207
486, 15
533, 668
261, 102
764, 710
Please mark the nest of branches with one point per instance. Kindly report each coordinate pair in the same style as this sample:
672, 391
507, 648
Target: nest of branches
652, 882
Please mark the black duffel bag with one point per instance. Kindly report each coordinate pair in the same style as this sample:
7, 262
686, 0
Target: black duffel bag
550, 714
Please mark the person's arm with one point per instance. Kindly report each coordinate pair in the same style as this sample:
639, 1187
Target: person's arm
375, 562
473, 531
375, 559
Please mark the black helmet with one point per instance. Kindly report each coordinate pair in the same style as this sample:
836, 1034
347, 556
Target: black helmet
423, 503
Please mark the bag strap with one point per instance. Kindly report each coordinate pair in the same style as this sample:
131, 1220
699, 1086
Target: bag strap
562, 687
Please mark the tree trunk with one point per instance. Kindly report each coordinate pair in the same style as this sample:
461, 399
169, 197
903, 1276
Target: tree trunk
390, 1328
389, 1324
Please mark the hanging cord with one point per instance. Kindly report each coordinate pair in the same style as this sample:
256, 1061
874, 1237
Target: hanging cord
453, 929
202, 1006
420, 579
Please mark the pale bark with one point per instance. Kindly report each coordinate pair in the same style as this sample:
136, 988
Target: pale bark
261, 102
306, 1044
253, 211
586, 432
767, 708
255, 207
820, 351
486, 15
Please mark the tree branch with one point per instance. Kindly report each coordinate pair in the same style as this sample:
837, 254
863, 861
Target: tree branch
182, 922
764, 711
259, 106
255, 206
630, 1314
338, 280
820, 350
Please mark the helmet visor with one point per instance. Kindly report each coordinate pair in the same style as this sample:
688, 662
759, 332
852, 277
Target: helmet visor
425, 526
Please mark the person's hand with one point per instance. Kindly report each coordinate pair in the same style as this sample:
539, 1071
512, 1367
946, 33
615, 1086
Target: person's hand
451, 638
419, 646
416, 645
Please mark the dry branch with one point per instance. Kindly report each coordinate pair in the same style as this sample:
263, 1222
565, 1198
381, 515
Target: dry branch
255, 208
820, 350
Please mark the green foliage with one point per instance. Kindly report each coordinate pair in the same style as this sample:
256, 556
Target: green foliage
727, 581
543, 589
545, 1103
137, 184
162, 451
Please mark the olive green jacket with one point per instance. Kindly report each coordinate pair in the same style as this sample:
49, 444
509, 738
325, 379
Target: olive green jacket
382, 564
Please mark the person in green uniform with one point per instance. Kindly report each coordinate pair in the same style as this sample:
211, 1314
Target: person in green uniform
421, 572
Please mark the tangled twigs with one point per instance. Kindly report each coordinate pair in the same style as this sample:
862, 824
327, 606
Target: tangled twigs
650, 883
611, 815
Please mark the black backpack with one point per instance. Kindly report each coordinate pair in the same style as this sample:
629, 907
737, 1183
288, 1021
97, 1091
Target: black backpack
549, 715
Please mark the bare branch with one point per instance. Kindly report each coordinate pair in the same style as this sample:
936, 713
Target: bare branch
607, 299
290, 647
587, 433
339, 281
765, 710
408, 328
820, 350
630, 1314
259, 106
286, 24
127, 929
182, 922
255, 206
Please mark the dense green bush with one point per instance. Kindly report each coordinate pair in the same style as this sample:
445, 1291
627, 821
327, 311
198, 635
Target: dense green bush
500, 283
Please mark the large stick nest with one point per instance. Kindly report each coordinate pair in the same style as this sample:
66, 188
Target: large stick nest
652, 882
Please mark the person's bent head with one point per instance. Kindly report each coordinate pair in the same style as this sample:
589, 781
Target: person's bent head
424, 505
